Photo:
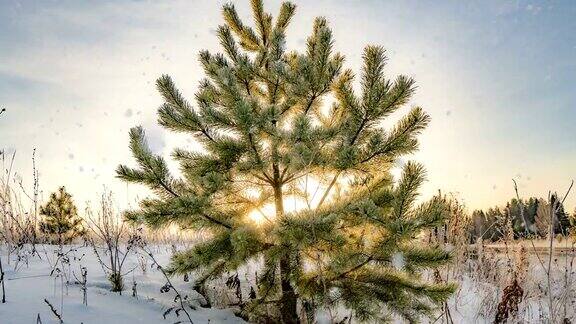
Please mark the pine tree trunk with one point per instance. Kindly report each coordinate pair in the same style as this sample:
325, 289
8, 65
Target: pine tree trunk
288, 300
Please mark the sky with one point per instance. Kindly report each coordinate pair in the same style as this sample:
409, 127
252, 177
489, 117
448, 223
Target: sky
497, 77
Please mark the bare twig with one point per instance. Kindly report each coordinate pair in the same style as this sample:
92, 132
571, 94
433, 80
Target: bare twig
169, 284
54, 311
526, 227
2, 282
109, 231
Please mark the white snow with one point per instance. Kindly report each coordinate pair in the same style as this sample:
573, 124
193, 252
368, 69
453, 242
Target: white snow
398, 261
29, 284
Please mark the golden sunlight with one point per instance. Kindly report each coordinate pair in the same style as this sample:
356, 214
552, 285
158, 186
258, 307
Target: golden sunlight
311, 193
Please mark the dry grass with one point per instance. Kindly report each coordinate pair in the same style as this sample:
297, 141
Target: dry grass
529, 281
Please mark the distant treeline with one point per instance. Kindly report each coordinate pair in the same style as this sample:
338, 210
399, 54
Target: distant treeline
526, 218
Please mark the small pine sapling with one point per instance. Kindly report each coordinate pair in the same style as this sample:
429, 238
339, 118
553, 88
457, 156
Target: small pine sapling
61, 222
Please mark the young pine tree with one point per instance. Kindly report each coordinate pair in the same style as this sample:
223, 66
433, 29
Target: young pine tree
61, 222
272, 123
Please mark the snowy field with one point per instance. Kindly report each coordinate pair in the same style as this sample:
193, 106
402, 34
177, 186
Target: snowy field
29, 283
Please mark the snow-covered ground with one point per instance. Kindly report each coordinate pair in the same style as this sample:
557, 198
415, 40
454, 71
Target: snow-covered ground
28, 282
28, 285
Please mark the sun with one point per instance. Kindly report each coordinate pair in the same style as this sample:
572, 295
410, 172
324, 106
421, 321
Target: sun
267, 213
263, 214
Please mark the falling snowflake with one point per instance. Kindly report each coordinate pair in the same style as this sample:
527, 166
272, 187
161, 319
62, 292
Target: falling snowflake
399, 163
398, 261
